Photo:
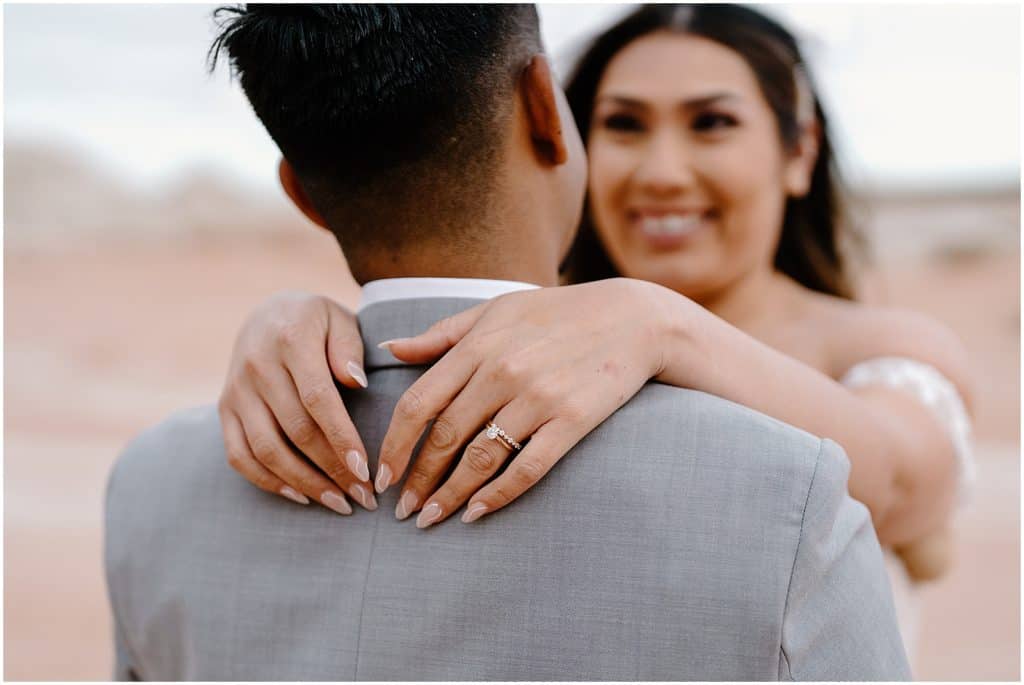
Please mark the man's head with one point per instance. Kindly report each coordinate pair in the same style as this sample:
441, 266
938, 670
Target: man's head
411, 129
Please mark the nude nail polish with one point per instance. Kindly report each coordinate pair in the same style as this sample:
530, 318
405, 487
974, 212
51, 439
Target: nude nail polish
430, 515
336, 502
383, 478
357, 465
357, 373
293, 495
474, 512
406, 505
364, 497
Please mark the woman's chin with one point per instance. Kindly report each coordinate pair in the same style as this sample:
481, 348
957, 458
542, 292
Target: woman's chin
688, 274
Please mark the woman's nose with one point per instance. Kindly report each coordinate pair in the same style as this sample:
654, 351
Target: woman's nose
665, 168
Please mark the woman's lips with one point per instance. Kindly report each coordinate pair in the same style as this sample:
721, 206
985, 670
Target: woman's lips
668, 230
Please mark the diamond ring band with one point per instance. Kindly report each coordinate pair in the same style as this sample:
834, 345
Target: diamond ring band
496, 433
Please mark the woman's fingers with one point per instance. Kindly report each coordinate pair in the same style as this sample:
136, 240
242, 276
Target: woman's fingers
268, 447
460, 421
320, 412
482, 458
303, 432
344, 347
436, 340
420, 404
570, 354
546, 447
283, 360
240, 458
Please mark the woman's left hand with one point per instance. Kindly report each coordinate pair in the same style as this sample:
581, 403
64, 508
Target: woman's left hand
546, 366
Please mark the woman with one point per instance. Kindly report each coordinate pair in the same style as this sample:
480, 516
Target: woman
710, 175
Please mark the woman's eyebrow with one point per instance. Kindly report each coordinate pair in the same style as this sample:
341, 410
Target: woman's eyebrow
705, 100
623, 100
690, 103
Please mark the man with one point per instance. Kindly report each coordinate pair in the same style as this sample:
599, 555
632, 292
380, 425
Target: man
432, 140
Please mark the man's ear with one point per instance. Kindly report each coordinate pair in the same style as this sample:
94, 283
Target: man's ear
294, 190
538, 92
800, 165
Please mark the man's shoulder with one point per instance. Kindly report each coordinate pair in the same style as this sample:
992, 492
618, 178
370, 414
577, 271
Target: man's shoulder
165, 481
186, 446
761, 455
669, 397
192, 429
671, 415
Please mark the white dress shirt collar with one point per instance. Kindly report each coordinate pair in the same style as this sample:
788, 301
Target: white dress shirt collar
417, 288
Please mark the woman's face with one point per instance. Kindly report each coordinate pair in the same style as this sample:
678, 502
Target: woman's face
688, 177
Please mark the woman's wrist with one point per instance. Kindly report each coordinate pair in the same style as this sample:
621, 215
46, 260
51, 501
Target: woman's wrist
668, 334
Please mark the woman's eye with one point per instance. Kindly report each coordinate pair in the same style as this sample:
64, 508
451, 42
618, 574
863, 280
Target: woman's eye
622, 122
710, 122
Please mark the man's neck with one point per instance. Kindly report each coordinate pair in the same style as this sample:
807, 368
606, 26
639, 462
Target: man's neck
510, 272
529, 259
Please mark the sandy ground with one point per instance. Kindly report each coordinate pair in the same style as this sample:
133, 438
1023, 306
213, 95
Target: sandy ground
104, 341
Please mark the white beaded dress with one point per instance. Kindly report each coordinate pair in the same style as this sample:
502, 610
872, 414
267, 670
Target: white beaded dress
936, 391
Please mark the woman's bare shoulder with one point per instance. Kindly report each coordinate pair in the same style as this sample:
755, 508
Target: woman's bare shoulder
856, 332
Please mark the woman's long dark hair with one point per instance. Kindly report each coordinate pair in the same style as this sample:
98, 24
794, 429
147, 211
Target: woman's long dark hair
814, 230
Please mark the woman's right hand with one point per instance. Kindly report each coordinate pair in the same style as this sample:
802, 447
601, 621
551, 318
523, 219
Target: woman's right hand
280, 388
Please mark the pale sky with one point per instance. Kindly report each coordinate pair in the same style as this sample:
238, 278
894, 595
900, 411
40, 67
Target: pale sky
921, 95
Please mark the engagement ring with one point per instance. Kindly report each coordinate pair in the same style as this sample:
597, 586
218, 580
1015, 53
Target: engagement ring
494, 433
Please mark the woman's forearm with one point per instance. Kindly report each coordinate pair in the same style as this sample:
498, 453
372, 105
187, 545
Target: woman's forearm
889, 473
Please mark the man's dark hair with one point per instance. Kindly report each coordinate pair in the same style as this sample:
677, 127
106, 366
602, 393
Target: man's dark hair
390, 115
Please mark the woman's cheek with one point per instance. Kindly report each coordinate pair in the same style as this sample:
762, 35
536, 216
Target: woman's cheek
730, 170
746, 183
609, 177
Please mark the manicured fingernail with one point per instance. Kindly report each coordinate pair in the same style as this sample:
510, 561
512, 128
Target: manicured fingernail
357, 373
383, 478
294, 496
333, 500
430, 514
357, 465
474, 512
386, 345
405, 505
363, 497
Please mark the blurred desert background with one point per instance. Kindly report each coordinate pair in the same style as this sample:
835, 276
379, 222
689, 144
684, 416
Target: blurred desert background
123, 291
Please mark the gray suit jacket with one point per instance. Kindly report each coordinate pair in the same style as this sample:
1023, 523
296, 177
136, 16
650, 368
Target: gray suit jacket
685, 538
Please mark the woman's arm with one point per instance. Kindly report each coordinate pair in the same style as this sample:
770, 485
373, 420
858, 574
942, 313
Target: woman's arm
554, 363
903, 466
551, 365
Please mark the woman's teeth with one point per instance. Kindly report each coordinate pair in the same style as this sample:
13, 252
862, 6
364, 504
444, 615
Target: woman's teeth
670, 224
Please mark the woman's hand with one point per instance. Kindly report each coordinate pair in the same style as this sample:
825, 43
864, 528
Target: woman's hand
546, 366
279, 388
929, 557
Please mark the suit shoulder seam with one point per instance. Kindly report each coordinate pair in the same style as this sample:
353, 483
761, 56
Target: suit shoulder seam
796, 556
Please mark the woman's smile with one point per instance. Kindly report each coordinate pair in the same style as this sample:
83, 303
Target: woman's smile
669, 228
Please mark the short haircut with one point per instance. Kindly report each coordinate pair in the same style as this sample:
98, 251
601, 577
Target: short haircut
391, 115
